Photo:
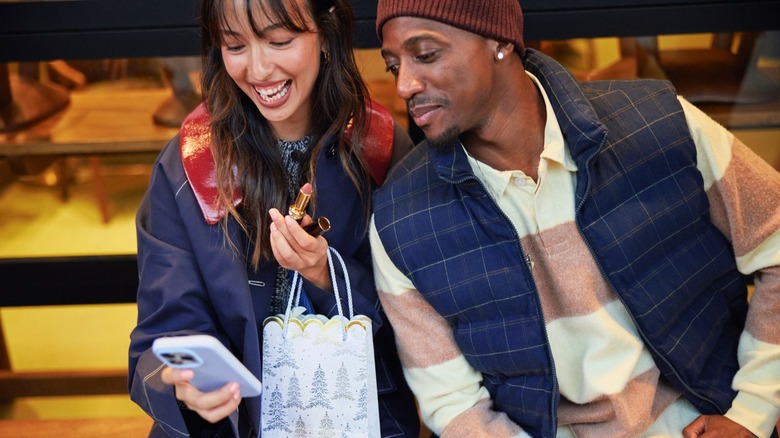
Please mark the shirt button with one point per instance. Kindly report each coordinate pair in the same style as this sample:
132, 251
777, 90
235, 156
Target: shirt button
520, 182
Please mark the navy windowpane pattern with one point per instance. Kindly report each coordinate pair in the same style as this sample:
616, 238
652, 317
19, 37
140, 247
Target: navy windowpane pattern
642, 209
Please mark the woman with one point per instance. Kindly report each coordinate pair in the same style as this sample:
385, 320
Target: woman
284, 106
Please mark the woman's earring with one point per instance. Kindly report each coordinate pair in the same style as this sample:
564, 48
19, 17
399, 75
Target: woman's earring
500, 55
325, 56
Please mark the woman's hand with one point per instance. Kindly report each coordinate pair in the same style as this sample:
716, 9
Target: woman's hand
211, 406
295, 249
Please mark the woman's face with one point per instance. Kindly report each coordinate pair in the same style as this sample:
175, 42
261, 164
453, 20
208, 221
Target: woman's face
277, 69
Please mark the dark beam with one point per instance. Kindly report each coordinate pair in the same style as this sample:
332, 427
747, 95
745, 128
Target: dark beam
15, 384
68, 280
36, 31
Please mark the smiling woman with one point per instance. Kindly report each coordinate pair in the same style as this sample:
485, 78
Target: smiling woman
275, 65
285, 107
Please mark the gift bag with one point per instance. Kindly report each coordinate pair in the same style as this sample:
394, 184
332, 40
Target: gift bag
319, 378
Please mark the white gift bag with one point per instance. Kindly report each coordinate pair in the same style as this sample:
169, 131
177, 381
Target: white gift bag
319, 378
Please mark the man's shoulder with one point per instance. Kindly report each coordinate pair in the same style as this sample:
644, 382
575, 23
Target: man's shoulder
636, 88
411, 171
412, 185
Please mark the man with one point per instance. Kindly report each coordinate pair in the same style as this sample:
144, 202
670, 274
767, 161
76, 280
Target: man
566, 259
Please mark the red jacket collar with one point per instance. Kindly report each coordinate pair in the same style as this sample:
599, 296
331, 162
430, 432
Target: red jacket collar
200, 168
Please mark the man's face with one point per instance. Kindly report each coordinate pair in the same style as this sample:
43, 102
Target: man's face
443, 73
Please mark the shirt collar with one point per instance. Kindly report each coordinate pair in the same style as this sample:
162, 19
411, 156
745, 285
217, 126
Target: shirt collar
555, 149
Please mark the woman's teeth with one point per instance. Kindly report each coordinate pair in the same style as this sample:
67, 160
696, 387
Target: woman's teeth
274, 94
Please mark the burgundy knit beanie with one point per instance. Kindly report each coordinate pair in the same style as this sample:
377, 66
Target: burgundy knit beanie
501, 20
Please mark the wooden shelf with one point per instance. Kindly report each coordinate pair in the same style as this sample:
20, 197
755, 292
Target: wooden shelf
95, 122
15, 384
130, 427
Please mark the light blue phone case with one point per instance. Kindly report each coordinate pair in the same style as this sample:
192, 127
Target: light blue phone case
213, 364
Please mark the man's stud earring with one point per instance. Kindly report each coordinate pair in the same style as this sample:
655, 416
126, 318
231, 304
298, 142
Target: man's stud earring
500, 56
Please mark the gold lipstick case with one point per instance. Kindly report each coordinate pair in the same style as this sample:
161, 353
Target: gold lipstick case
298, 208
319, 226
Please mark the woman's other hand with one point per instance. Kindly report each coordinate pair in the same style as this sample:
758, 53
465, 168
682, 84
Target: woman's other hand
211, 406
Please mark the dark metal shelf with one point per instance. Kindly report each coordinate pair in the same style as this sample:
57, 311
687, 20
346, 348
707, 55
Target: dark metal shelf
89, 29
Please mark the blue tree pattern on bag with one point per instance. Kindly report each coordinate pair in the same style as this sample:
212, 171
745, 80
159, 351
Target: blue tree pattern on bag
326, 428
319, 390
267, 353
294, 394
321, 384
318, 374
300, 428
343, 385
278, 419
362, 405
286, 358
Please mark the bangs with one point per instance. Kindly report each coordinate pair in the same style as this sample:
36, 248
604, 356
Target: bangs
287, 14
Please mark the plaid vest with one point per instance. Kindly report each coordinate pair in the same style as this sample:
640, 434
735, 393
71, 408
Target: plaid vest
640, 206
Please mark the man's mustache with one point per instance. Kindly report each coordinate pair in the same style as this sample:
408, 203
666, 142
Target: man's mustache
424, 100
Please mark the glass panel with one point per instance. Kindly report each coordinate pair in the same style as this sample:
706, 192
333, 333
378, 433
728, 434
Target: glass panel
109, 118
733, 77
78, 138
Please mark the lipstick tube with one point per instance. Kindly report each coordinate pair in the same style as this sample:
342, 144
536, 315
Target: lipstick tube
319, 226
298, 208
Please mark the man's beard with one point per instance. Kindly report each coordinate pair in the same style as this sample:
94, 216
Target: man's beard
445, 140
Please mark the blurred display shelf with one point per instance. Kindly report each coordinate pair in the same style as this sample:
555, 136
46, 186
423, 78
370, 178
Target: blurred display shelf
746, 116
95, 122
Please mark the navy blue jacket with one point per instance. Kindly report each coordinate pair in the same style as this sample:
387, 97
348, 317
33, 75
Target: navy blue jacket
643, 211
192, 282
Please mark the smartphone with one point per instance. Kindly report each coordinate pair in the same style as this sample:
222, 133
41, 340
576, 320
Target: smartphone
214, 365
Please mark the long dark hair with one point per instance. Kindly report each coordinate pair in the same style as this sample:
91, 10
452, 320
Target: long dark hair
245, 150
